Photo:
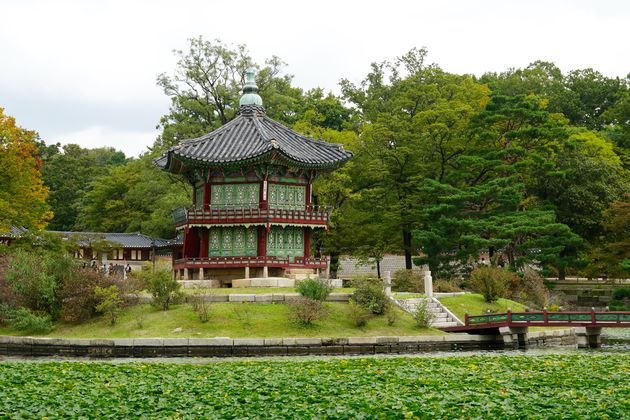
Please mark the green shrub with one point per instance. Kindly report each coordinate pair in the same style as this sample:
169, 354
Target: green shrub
621, 293
369, 293
492, 282
618, 305
392, 315
620, 299
446, 286
162, 286
77, 294
408, 281
35, 278
109, 302
422, 314
535, 289
243, 312
316, 289
26, 321
305, 310
358, 314
200, 306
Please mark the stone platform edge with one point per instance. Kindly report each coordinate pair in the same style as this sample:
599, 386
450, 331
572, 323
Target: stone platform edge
244, 347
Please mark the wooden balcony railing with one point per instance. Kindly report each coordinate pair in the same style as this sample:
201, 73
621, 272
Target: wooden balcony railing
253, 261
315, 215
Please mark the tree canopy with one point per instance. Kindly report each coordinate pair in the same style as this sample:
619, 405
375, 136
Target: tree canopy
22, 192
529, 166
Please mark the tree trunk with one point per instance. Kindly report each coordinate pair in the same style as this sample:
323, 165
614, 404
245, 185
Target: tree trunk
334, 264
378, 268
407, 247
562, 272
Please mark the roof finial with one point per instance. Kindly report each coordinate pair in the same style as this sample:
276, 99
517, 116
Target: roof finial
250, 90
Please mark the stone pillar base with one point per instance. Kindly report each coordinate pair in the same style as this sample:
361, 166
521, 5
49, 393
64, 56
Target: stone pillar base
588, 337
514, 336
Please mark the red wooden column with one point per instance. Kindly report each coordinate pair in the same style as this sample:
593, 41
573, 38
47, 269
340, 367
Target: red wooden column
191, 243
264, 193
185, 242
203, 246
307, 242
307, 194
262, 241
307, 230
206, 195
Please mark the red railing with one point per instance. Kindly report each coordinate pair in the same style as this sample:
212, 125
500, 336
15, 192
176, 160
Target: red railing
253, 261
217, 215
616, 319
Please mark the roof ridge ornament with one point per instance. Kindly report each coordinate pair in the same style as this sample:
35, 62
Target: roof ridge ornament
250, 90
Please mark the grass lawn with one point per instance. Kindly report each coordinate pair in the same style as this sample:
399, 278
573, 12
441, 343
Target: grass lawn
474, 304
252, 290
234, 320
581, 386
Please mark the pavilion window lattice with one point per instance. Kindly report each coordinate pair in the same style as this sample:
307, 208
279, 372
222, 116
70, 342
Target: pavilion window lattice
287, 196
235, 195
285, 242
199, 196
232, 242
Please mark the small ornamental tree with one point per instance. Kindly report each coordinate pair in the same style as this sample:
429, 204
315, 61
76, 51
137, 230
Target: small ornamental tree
491, 282
316, 289
305, 310
369, 293
162, 286
110, 302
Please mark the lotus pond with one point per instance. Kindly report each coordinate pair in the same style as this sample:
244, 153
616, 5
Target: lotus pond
585, 385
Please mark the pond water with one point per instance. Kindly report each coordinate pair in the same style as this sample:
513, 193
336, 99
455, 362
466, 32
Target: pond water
614, 340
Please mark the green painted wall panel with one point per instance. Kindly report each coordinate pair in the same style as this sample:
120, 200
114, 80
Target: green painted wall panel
287, 196
235, 195
199, 196
233, 241
283, 242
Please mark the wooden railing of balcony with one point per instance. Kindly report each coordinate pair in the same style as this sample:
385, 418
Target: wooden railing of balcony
218, 215
253, 261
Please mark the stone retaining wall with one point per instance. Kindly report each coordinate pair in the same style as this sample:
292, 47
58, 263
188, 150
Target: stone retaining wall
254, 298
242, 347
552, 338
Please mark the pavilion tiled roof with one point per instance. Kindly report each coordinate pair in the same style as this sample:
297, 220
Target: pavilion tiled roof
125, 240
254, 137
13, 232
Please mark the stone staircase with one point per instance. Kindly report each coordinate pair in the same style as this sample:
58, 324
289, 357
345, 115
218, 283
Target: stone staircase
441, 318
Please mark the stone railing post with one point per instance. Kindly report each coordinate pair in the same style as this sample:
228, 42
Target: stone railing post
388, 283
428, 284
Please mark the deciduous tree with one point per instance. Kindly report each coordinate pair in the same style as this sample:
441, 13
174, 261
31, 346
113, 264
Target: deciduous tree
22, 191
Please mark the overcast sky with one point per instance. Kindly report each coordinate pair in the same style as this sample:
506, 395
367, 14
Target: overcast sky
84, 71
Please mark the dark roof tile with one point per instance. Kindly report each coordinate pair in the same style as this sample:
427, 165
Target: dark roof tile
252, 135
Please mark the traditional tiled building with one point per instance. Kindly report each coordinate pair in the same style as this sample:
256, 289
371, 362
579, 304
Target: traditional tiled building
131, 248
10, 235
251, 214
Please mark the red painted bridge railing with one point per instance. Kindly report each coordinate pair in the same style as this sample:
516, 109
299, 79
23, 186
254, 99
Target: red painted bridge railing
550, 318
614, 319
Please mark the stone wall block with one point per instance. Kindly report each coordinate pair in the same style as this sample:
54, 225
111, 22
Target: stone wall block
249, 342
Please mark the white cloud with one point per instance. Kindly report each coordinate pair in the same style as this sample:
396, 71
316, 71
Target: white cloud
132, 143
108, 53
